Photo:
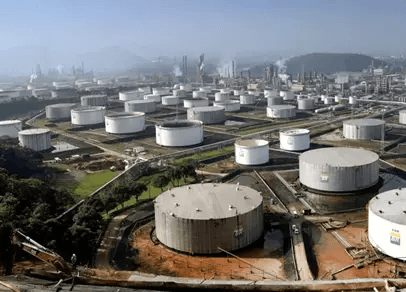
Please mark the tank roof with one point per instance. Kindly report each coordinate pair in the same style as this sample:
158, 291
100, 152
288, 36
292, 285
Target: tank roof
282, 106
179, 124
34, 131
227, 102
390, 205
94, 96
10, 122
365, 122
339, 156
209, 201
88, 109
295, 132
140, 101
125, 115
207, 108
251, 143
62, 105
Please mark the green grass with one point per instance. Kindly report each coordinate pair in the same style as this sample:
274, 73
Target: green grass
59, 168
204, 155
92, 182
40, 123
252, 131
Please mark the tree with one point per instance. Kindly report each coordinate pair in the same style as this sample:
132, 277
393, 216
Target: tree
160, 181
174, 173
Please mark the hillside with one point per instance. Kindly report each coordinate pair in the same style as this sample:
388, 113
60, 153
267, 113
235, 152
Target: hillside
330, 63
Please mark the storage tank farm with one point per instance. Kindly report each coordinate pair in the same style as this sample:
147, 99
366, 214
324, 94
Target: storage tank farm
294, 139
387, 223
35, 139
93, 100
251, 151
146, 106
9, 129
179, 133
86, 116
229, 106
125, 123
364, 129
195, 102
200, 218
282, 111
247, 99
59, 111
207, 114
339, 178
131, 95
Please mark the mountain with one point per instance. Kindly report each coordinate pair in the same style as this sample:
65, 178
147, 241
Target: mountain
330, 63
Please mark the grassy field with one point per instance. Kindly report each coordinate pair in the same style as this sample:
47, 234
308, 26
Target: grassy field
92, 182
204, 155
40, 123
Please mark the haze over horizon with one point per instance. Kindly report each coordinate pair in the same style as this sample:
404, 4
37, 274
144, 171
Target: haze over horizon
111, 35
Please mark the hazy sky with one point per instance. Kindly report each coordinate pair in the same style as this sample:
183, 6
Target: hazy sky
175, 27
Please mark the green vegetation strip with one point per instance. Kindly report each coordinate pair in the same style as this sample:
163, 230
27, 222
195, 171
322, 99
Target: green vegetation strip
204, 155
40, 123
92, 182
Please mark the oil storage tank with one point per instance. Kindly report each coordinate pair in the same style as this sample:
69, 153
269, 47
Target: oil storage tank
125, 123
229, 106
131, 95
88, 115
305, 104
338, 169
294, 139
145, 106
187, 87
402, 117
287, 95
195, 102
274, 100
207, 114
153, 97
179, 133
160, 91
93, 100
10, 129
281, 111
59, 111
270, 93
35, 139
199, 94
387, 223
170, 100
221, 96
251, 151
200, 218
247, 99
364, 129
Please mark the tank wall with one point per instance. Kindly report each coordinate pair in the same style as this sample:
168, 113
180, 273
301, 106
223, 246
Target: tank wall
178, 137
170, 100
339, 202
93, 101
387, 236
153, 97
197, 94
209, 117
253, 156
205, 236
148, 107
294, 143
247, 99
367, 132
305, 104
195, 103
55, 113
10, 130
274, 100
229, 107
87, 117
270, 93
280, 113
126, 125
37, 142
402, 117
221, 96
338, 179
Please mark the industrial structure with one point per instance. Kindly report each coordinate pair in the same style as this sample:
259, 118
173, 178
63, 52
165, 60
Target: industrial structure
125, 123
59, 111
179, 133
35, 139
10, 129
229, 106
295, 139
207, 114
145, 106
88, 115
282, 111
364, 129
93, 100
251, 151
230, 215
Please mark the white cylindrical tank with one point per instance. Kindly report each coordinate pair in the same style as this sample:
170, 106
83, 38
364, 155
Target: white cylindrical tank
387, 223
207, 114
364, 129
93, 100
270, 93
225, 90
153, 97
35, 139
88, 115
199, 94
305, 104
10, 129
221, 96
146, 90
338, 98
274, 100
179, 93
251, 151
106, 81
254, 93
170, 100
41, 93
125, 123
329, 100
339, 169
186, 87
131, 95
179, 133
195, 102
238, 92
281, 111
294, 139
402, 117
59, 111
145, 106
287, 95
247, 99
229, 106
208, 89
160, 91
353, 100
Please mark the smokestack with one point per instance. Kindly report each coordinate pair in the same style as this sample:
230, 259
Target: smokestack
233, 66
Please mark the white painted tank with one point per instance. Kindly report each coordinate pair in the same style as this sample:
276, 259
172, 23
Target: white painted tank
251, 151
179, 133
106, 81
247, 99
125, 123
208, 89
353, 100
199, 94
402, 117
186, 87
160, 91
131, 95
239, 92
145, 106
287, 95
294, 139
88, 115
35, 139
225, 90
146, 90
59, 111
364, 129
207, 114
322, 97
274, 100
93, 100
170, 100
229, 106
221, 96
329, 100
10, 129
270, 93
153, 97
281, 111
305, 104
179, 93
338, 98
195, 102
41, 93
